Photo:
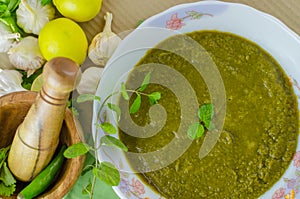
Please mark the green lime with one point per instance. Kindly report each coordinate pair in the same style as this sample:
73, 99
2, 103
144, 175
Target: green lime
37, 84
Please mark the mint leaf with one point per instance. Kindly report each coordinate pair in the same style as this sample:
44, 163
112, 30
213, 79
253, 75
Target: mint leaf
114, 142
124, 91
135, 106
107, 128
76, 150
115, 108
195, 131
145, 82
108, 173
154, 97
87, 97
206, 113
88, 189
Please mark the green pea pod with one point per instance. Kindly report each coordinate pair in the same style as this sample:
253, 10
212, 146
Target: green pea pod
42, 181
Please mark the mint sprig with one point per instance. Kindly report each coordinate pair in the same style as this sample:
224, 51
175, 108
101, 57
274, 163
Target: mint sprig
106, 171
205, 115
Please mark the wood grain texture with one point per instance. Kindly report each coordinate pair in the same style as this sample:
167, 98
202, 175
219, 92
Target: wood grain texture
37, 138
13, 108
127, 13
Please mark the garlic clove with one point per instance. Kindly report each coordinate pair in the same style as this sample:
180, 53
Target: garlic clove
32, 15
104, 44
89, 80
10, 81
26, 55
7, 38
5, 63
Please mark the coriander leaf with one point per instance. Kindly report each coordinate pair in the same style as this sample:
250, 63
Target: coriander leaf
115, 108
7, 190
87, 97
108, 173
154, 97
107, 127
195, 131
124, 91
76, 150
135, 106
206, 113
6, 176
3, 155
114, 142
145, 82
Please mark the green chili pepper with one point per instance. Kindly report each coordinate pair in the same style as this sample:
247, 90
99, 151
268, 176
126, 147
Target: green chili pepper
42, 181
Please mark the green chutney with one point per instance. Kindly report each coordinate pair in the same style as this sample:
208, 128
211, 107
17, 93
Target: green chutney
260, 132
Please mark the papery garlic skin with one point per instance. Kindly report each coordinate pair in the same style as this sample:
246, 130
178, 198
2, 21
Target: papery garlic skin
26, 55
10, 81
7, 38
32, 15
4, 62
104, 44
89, 80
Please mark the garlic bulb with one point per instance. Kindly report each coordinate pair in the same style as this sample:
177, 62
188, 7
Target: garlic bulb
26, 55
89, 80
5, 63
7, 38
32, 15
104, 44
10, 81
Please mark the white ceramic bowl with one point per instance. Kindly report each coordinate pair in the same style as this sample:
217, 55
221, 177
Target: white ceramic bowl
263, 29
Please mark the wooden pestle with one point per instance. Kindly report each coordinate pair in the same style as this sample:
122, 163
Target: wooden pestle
37, 138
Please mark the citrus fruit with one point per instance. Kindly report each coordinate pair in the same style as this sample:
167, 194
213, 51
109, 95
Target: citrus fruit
78, 10
63, 37
37, 84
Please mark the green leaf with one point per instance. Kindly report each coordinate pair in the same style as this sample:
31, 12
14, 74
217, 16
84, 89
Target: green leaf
6, 176
88, 189
27, 81
135, 106
114, 142
108, 173
115, 108
45, 2
107, 127
7, 190
76, 150
124, 91
206, 113
87, 97
145, 82
154, 97
3, 155
13, 4
195, 131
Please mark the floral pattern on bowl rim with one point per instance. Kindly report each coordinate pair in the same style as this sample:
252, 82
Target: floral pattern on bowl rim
184, 18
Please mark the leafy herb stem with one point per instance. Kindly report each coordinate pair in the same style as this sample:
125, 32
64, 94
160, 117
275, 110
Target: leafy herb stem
103, 104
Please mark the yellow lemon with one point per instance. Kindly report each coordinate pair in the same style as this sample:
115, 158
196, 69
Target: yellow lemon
63, 37
78, 10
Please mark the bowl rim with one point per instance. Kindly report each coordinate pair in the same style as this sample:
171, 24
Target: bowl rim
121, 50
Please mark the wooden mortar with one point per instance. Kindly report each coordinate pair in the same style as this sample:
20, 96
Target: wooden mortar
25, 109
13, 109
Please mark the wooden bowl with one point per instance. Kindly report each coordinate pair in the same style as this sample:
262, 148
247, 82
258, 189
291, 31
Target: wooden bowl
13, 109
